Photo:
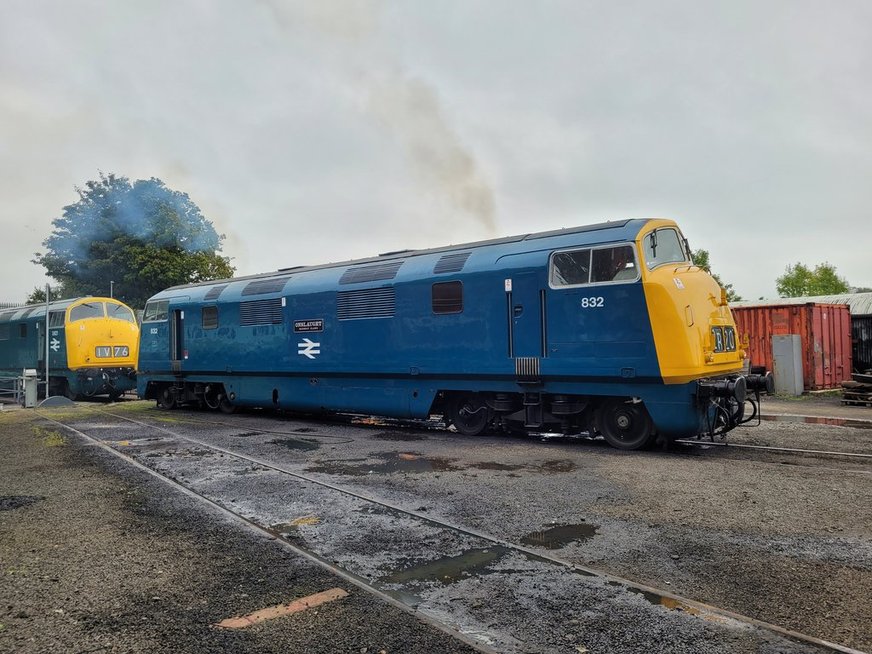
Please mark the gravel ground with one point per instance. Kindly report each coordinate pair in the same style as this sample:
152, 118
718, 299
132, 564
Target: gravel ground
98, 557
788, 544
781, 543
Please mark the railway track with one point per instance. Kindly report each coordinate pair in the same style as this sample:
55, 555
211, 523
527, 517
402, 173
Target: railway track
412, 585
787, 450
728, 448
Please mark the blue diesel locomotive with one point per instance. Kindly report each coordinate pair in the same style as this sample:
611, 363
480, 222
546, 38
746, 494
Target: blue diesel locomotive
607, 328
92, 345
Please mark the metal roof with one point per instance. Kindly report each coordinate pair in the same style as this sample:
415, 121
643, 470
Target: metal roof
859, 303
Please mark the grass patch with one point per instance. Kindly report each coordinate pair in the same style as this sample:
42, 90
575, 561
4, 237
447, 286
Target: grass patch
49, 437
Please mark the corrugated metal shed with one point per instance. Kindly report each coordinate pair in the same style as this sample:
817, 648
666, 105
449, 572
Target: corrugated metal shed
824, 330
860, 304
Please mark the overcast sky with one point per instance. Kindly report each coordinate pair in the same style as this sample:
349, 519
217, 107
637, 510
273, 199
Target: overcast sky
321, 131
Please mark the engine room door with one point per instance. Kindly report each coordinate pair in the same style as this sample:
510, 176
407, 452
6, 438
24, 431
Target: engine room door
526, 316
177, 338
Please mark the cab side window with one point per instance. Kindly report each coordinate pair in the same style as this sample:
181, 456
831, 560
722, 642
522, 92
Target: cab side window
156, 311
55, 319
614, 264
570, 268
594, 266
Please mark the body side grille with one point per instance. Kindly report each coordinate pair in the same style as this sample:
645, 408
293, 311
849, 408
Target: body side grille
367, 303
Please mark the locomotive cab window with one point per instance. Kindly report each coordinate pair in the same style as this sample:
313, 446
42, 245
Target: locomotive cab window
615, 264
22, 330
156, 311
120, 312
4, 332
664, 246
210, 317
570, 268
447, 297
594, 266
55, 319
86, 310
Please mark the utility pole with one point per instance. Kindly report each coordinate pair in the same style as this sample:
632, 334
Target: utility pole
47, 299
111, 289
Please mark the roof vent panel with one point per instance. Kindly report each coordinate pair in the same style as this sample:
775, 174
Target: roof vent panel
214, 292
451, 262
360, 274
270, 285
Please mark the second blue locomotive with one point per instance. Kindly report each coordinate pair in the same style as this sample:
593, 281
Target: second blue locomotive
607, 328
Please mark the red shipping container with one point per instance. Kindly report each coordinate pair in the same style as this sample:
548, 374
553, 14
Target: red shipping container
825, 331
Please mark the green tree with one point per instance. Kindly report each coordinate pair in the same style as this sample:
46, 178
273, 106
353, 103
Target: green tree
799, 280
701, 259
37, 296
142, 236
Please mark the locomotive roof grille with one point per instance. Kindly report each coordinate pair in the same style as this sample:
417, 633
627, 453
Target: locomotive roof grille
451, 262
366, 303
260, 286
214, 292
260, 312
359, 274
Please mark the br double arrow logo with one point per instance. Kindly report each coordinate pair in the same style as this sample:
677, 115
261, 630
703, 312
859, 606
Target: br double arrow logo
309, 348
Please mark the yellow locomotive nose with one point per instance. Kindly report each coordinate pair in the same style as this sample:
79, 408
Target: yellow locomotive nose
101, 333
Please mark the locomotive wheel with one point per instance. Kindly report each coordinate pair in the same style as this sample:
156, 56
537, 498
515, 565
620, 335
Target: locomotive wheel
625, 425
114, 395
212, 397
166, 399
225, 406
469, 415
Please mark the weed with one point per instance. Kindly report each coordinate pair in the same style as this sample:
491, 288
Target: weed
49, 437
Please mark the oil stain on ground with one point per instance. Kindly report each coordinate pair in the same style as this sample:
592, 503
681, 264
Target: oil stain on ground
302, 444
10, 502
392, 462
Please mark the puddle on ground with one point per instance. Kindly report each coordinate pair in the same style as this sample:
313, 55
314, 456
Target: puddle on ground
303, 430
406, 462
246, 434
817, 420
303, 444
10, 502
398, 436
449, 569
560, 535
